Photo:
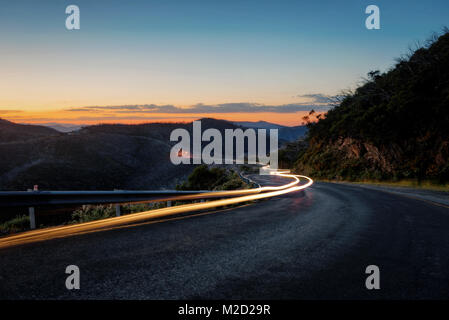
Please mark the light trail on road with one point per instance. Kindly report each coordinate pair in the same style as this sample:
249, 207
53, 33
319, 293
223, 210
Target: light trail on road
104, 224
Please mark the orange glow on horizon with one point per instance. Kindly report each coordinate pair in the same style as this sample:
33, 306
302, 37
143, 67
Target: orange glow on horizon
91, 118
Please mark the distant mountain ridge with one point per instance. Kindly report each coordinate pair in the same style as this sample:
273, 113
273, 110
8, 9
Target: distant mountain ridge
10, 131
62, 127
259, 124
286, 134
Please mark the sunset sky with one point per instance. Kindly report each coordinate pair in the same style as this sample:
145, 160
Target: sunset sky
177, 60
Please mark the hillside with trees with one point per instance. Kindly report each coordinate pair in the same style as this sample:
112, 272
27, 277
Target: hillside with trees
13, 132
215, 178
395, 126
99, 157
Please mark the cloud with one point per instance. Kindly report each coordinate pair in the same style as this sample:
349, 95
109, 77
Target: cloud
241, 107
98, 118
9, 111
317, 97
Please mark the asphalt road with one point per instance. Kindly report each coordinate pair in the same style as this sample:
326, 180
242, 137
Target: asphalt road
311, 244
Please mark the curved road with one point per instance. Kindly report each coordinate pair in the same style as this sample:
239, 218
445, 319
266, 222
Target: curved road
310, 244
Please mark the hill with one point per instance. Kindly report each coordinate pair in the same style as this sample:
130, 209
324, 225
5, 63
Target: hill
286, 134
96, 157
62, 127
394, 126
11, 132
259, 125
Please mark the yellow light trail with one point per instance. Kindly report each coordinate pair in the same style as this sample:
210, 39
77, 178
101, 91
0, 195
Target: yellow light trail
104, 224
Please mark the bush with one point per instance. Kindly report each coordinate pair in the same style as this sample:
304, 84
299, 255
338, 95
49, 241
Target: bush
90, 213
249, 169
19, 223
205, 178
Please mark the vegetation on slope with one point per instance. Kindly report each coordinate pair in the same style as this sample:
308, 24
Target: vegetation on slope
100, 157
215, 178
395, 126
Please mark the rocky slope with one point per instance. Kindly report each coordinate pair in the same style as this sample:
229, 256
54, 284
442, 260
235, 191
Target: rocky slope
395, 126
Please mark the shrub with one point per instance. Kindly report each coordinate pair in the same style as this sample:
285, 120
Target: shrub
90, 213
19, 223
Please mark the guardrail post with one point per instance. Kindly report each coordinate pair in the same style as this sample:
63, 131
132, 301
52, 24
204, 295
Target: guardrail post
31, 213
117, 207
169, 203
32, 218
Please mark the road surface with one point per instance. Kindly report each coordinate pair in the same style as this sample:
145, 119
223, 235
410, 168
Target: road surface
309, 244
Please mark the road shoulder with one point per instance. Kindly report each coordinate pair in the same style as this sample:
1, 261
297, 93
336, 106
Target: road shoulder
439, 198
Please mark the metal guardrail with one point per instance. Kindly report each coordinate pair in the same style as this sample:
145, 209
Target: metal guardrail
30, 198
36, 198
41, 198
226, 198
